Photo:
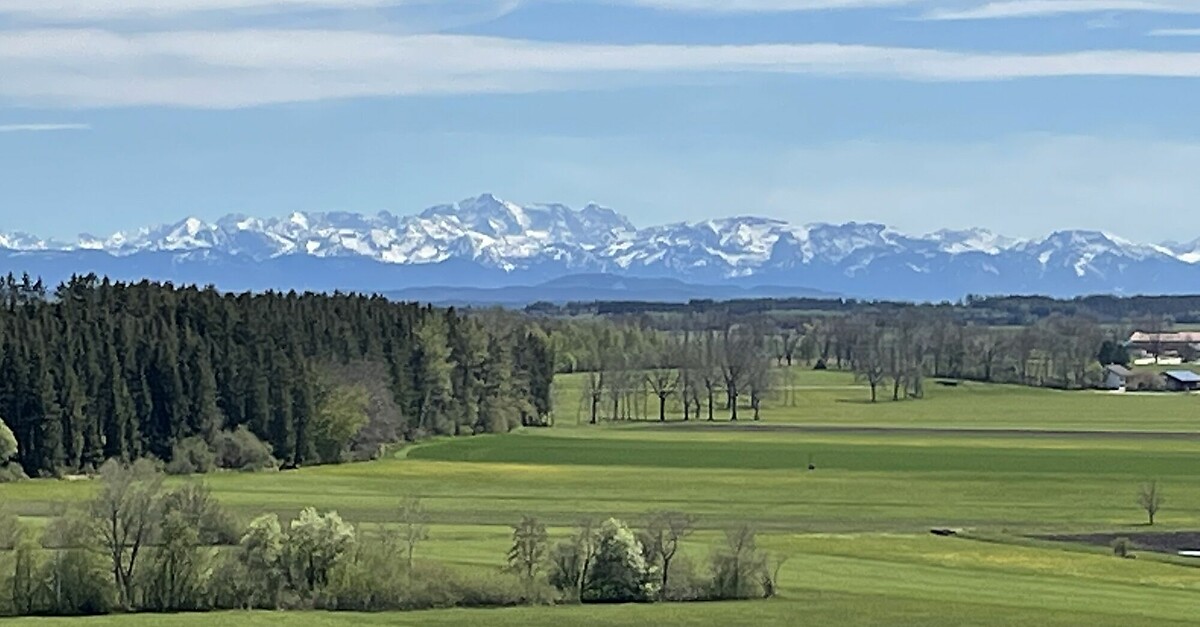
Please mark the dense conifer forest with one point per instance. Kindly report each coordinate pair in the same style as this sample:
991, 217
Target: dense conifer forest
93, 370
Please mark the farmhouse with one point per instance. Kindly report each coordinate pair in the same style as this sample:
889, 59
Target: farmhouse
1184, 343
1116, 377
1182, 380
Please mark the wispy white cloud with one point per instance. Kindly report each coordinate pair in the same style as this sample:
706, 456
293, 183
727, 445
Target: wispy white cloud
227, 69
66, 11
761, 6
76, 10
42, 128
1175, 32
1003, 9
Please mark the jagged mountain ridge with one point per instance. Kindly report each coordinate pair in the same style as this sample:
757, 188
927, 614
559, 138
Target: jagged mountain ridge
489, 242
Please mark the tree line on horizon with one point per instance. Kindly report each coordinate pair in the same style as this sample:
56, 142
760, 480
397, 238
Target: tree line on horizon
96, 370
695, 364
989, 310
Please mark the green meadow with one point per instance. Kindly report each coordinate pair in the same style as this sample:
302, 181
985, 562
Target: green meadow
1000, 463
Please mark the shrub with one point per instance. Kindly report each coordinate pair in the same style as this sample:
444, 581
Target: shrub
685, 584
1122, 547
8, 443
11, 473
739, 568
1144, 381
195, 502
190, 456
496, 589
375, 580
242, 450
83, 584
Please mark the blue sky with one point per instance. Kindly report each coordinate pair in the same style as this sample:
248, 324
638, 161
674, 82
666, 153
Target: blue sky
1023, 116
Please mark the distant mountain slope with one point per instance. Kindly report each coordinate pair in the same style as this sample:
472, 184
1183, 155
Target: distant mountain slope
596, 287
486, 243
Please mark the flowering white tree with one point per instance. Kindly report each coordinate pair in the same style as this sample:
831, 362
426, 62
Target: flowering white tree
261, 553
315, 544
619, 573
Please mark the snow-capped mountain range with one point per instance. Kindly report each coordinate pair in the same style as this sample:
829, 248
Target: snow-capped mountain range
487, 242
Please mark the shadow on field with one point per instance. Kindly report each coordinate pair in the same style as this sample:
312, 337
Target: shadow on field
1160, 542
856, 430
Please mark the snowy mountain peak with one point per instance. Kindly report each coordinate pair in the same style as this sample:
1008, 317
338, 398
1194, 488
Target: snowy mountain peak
548, 240
973, 240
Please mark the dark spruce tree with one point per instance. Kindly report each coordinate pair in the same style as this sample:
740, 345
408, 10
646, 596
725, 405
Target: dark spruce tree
103, 369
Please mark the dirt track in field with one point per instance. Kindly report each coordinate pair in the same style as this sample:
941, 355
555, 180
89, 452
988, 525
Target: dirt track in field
764, 427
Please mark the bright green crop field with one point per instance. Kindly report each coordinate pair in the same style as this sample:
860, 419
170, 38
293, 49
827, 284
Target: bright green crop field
1002, 463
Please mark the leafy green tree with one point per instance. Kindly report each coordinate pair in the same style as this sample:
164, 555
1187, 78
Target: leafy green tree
261, 553
499, 410
434, 371
315, 543
619, 573
341, 414
1112, 352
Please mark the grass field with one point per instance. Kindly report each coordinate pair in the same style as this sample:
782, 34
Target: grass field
855, 529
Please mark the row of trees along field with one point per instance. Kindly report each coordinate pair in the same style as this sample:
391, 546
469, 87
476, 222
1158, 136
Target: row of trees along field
138, 546
98, 370
695, 364
983, 310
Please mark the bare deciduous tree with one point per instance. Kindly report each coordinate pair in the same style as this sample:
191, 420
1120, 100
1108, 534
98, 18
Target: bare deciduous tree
528, 550
126, 509
740, 348
869, 366
594, 392
1150, 498
663, 380
414, 526
662, 537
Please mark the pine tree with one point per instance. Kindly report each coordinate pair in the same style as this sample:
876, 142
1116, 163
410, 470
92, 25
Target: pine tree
121, 424
109, 369
74, 418
282, 430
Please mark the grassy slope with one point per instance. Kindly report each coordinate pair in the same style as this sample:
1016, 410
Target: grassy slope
855, 530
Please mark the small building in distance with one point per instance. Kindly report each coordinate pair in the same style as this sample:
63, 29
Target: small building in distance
1116, 377
1182, 380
